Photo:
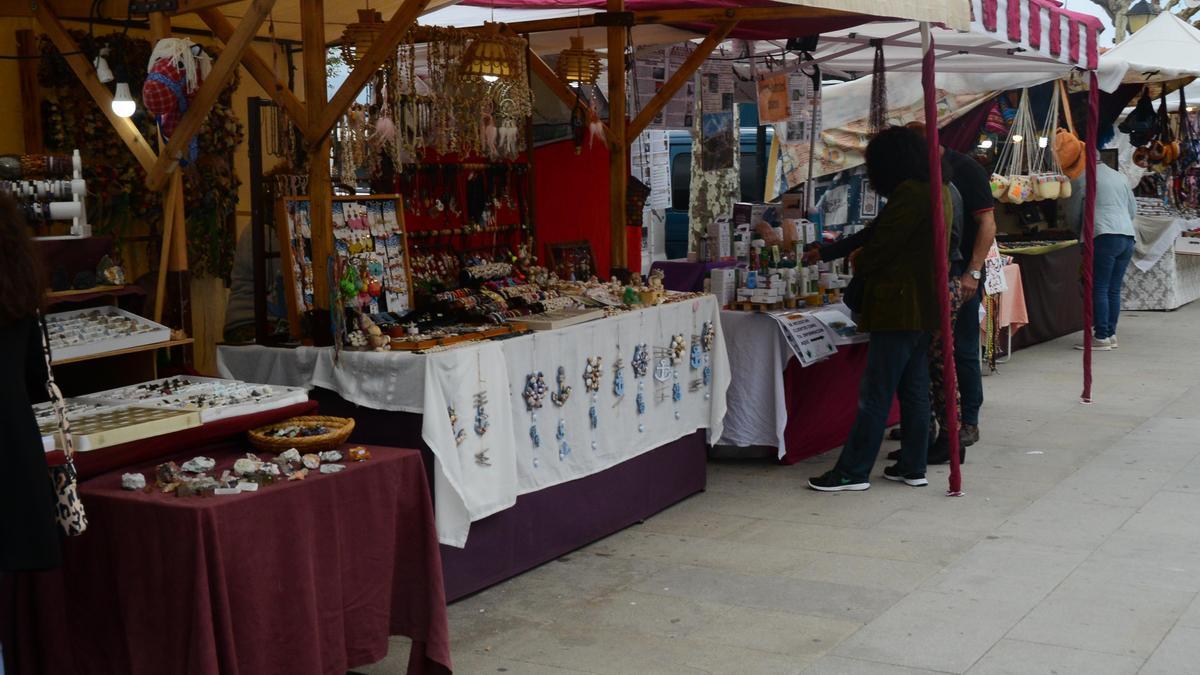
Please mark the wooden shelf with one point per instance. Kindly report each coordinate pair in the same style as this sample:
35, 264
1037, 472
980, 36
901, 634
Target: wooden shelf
97, 290
122, 352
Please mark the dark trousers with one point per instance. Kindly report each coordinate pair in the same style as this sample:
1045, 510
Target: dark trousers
1111, 259
966, 358
897, 364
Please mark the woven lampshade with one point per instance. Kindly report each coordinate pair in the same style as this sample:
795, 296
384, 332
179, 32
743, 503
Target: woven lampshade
490, 55
578, 66
359, 36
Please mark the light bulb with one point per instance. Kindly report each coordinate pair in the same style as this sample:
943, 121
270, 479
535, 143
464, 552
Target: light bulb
1017, 138
1043, 142
985, 143
123, 104
574, 84
491, 78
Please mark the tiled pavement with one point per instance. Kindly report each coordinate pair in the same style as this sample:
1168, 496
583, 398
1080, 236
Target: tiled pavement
1075, 550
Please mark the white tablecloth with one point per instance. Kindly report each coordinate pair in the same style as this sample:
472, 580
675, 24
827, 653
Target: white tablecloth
1155, 237
758, 354
1171, 283
416, 383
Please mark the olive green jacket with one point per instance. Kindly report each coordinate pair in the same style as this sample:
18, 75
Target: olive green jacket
897, 263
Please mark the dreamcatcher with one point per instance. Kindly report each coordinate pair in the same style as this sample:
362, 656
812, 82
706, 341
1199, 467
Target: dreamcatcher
1028, 170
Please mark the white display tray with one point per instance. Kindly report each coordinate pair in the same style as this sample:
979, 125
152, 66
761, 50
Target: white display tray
560, 318
158, 333
275, 396
1187, 245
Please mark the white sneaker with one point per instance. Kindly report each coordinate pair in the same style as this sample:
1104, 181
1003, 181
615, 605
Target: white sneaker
1112, 341
1099, 345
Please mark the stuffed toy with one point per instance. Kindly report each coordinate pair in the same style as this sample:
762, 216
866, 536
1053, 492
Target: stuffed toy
177, 68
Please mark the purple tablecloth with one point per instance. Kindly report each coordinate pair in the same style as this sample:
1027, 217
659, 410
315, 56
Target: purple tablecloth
305, 578
681, 275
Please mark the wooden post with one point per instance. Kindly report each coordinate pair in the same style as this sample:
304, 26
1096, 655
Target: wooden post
618, 163
259, 69
31, 113
686, 70
222, 72
382, 51
86, 73
320, 189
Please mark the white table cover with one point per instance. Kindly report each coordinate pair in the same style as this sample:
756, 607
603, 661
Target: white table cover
1172, 282
416, 383
757, 409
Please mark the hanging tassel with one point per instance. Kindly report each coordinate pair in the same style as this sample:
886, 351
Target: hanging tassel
879, 96
579, 124
596, 128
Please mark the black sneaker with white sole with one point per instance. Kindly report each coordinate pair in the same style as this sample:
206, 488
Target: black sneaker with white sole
913, 479
836, 481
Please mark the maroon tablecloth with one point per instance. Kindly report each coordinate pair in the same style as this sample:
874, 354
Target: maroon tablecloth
681, 275
300, 577
822, 400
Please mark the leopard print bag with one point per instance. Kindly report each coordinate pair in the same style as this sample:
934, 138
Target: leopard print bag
68, 509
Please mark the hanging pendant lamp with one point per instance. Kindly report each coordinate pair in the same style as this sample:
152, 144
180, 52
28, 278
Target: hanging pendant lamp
578, 66
358, 37
490, 55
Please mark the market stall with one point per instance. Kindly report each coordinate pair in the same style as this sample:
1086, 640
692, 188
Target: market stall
1165, 273
215, 582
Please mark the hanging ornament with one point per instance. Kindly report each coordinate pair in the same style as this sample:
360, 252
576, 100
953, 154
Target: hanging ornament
358, 37
663, 371
564, 449
490, 55
678, 347
619, 378
592, 373
460, 434
535, 391
577, 66
641, 360
481, 417
559, 398
641, 398
696, 358
708, 336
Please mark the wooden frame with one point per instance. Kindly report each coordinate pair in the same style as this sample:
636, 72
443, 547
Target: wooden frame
284, 234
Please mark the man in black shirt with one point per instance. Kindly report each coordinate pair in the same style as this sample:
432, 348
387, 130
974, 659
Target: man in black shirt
979, 232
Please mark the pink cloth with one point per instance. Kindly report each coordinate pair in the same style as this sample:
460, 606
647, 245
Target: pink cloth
1010, 308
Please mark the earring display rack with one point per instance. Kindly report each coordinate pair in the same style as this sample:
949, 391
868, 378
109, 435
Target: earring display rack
369, 233
49, 189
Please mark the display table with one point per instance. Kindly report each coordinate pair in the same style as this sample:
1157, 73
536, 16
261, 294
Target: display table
1053, 296
1160, 278
681, 275
777, 403
1007, 311
485, 474
300, 577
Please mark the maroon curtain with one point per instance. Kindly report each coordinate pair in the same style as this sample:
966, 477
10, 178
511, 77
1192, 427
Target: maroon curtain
963, 133
941, 271
1089, 232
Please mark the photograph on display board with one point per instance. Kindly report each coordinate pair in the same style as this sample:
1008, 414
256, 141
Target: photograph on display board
717, 141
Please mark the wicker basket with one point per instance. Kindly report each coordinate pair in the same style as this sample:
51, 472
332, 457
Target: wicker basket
339, 433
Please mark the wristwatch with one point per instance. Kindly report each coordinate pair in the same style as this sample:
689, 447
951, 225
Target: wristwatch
976, 275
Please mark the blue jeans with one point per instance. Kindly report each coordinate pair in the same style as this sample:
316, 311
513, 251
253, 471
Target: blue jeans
1113, 252
966, 358
897, 364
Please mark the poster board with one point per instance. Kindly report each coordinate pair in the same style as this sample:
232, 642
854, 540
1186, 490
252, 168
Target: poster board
365, 229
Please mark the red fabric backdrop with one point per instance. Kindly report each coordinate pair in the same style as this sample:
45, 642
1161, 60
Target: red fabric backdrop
570, 198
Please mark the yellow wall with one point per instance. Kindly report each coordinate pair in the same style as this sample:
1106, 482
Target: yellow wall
208, 295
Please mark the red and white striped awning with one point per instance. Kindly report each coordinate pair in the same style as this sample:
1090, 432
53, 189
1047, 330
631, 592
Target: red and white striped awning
1041, 26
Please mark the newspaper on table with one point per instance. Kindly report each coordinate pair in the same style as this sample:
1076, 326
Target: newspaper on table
837, 318
809, 339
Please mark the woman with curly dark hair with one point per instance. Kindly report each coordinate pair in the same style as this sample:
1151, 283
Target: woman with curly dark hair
899, 309
29, 535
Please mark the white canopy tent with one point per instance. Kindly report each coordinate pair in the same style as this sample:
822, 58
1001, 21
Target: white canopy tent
1166, 49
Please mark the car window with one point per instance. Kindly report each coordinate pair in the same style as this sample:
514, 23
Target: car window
681, 181
751, 185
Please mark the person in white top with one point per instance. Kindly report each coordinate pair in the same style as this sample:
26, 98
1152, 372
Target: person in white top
1114, 240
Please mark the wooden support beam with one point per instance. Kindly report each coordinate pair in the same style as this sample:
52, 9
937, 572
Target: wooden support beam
263, 74
86, 73
31, 112
556, 86
320, 189
618, 161
383, 50
685, 72
674, 16
170, 215
222, 72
